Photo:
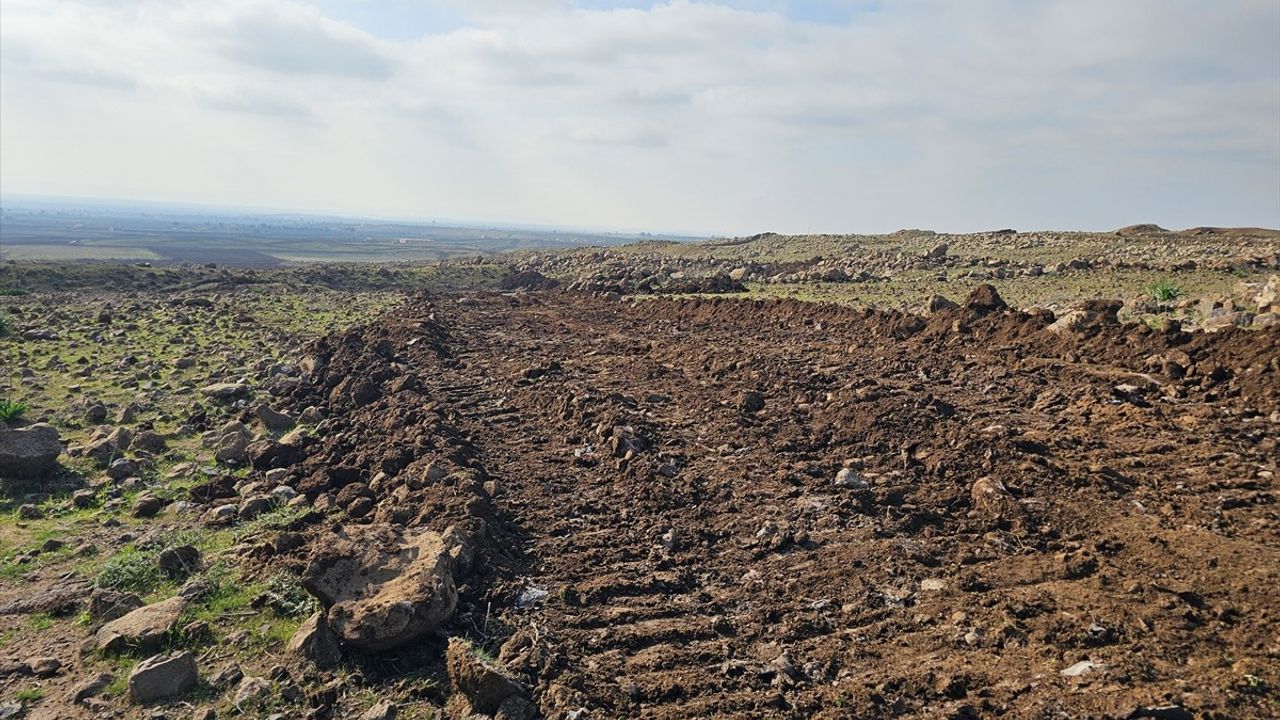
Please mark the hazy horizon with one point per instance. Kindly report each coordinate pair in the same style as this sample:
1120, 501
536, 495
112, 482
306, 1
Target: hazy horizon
87, 203
701, 118
178, 208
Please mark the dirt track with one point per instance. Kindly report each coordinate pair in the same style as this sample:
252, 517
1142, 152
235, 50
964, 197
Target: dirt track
701, 559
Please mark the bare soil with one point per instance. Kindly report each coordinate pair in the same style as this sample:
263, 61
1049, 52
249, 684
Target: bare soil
663, 534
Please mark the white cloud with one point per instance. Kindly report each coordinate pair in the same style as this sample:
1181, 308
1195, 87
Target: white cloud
682, 115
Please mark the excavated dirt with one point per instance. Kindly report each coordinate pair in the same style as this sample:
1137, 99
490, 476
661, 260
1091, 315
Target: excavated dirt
1031, 524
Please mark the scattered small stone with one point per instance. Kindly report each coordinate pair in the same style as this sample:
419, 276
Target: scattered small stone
195, 589
253, 507
45, 667
670, 540
180, 561
751, 402
221, 515
95, 413
975, 637
122, 468
992, 499
849, 478
283, 494
251, 690
274, 420
938, 303
1161, 712
150, 441
147, 505
984, 299
106, 605
94, 685
382, 711
226, 677
1082, 668
360, 507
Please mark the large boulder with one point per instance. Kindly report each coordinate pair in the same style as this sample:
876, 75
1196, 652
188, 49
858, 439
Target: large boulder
143, 629
29, 452
383, 588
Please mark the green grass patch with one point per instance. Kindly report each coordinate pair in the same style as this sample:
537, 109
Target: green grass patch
137, 570
1165, 290
131, 570
277, 518
40, 621
11, 410
483, 654
29, 695
121, 666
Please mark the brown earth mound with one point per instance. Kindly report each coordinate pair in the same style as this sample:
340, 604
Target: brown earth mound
1142, 229
701, 508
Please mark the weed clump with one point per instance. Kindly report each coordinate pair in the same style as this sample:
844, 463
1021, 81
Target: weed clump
11, 410
133, 570
1165, 290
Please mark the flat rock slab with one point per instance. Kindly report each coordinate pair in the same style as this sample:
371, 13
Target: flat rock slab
143, 628
58, 599
383, 588
225, 391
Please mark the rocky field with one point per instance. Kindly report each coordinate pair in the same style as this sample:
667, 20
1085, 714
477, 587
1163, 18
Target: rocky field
575, 485
1211, 277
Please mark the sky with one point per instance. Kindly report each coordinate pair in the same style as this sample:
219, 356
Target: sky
701, 117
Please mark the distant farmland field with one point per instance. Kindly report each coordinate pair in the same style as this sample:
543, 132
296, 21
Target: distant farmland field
258, 240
